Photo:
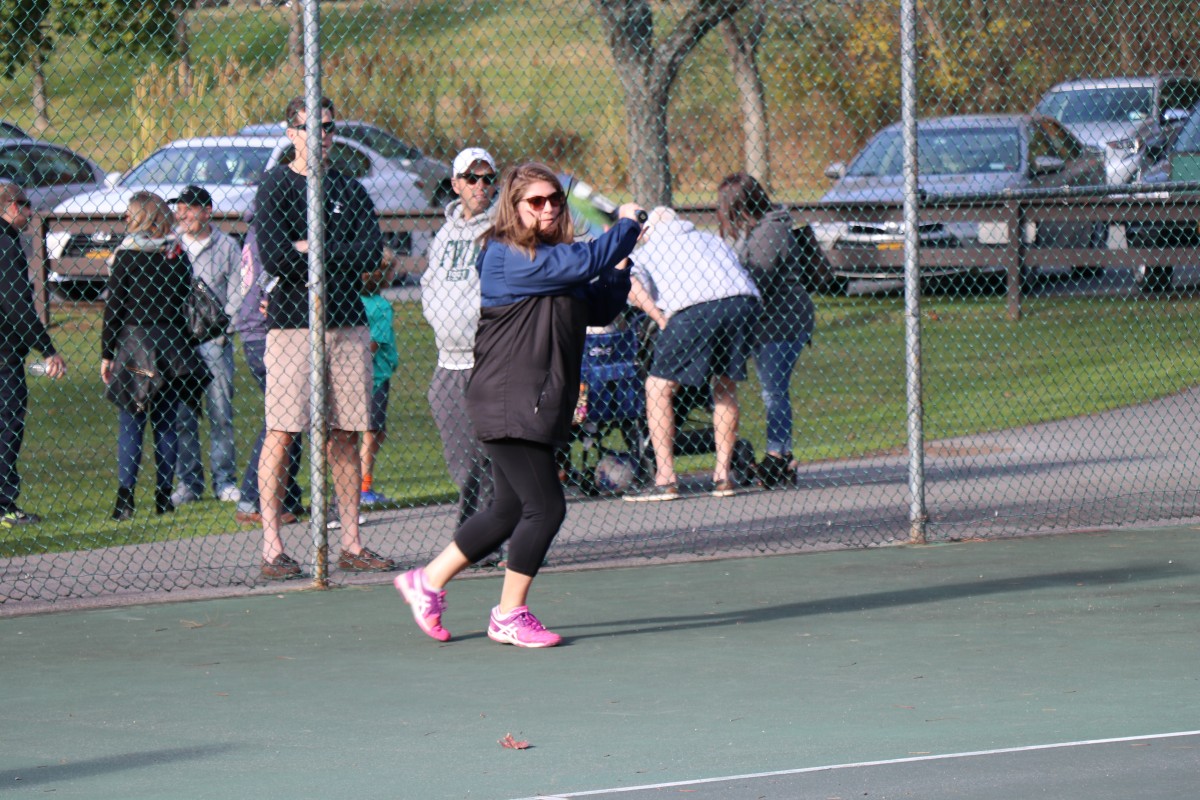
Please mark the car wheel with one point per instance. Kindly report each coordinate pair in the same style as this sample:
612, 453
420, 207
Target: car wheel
1152, 279
83, 291
832, 285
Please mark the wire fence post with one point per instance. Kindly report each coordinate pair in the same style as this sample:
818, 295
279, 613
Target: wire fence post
318, 433
917, 514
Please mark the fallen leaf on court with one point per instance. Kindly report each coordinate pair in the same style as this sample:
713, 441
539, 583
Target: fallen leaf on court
512, 744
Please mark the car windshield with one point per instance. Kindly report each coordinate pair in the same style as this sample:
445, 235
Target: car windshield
381, 142
205, 166
943, 152
1126, 104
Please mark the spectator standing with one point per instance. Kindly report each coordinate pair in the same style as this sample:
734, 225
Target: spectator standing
761, 235
21, 330
384, 360
450, 301
352, 245
216, 260
149, 362
539, 292
252, 329
691, 285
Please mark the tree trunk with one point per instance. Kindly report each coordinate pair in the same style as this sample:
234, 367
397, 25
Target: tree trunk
296, 38
181, 45
743, 57
647, 73
41, 103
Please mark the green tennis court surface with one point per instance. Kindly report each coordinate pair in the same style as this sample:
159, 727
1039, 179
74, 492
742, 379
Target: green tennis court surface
1059, 667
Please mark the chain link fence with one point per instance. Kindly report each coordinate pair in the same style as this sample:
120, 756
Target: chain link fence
1045, 374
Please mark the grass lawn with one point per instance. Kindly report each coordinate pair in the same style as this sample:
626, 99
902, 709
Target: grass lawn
1067, 357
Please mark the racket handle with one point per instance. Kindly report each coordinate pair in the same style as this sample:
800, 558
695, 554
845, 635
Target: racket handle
642, 216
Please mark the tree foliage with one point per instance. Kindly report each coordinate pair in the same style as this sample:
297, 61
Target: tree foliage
138, 28
23, 32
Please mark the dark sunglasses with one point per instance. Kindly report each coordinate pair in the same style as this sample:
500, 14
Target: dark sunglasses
538, 202
326, 127
471, 178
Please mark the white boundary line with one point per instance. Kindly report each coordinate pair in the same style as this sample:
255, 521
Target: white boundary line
832, 767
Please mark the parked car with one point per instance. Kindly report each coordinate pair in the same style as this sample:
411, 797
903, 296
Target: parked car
230, 167
1180, 162
49, 173
957, 155
1131, 119
435, 174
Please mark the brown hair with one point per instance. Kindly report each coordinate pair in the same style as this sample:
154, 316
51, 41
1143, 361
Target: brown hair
741, 203
10, 193
148, 213
507, 227
291, 114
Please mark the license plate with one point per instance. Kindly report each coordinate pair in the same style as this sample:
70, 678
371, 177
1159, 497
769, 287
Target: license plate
98, 254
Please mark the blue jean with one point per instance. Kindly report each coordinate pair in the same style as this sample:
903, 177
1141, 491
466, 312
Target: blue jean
255, 350
775, 361
163, 413
218, 405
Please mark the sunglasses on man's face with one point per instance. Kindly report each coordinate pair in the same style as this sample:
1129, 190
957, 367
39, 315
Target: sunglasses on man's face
471, 178
538, 202
328, 126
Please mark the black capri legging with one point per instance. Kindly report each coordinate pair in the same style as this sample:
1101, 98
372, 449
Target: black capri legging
528, 506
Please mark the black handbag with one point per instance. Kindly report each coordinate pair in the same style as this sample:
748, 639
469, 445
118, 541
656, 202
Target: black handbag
206, 317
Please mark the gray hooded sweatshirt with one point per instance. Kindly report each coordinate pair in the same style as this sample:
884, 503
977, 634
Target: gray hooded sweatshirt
450, 287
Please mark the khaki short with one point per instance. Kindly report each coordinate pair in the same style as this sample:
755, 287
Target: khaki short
348, 370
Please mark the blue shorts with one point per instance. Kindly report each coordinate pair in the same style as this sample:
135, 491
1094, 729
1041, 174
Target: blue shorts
706, 341
377, 421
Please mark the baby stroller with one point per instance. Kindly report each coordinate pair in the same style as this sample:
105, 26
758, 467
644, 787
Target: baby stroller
611, 452
610, 443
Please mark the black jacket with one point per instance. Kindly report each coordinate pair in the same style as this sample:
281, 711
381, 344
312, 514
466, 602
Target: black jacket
145, 329
21, 330
528, 355
353, 245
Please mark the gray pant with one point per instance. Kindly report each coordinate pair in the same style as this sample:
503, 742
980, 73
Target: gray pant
469, 466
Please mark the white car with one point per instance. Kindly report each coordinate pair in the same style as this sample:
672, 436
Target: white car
230, 168
435, 174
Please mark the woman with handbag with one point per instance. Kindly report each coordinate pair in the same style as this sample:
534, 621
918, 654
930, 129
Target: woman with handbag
761, 235
149, 359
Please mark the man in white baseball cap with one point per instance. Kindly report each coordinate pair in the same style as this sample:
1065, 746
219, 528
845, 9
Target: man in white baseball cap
450, 300
472, 156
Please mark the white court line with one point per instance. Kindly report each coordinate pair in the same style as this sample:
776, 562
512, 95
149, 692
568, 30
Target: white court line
831, 767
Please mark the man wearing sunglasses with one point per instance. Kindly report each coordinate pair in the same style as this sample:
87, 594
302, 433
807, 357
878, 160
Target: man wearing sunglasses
21, 330
353, 245
450, 299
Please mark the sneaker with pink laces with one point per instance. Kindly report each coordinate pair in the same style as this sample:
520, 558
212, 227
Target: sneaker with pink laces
427, 603
520, 627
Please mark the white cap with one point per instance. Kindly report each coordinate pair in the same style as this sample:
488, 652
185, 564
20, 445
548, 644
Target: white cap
467, 158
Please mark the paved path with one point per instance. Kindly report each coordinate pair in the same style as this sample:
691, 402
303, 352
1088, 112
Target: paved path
1123, 467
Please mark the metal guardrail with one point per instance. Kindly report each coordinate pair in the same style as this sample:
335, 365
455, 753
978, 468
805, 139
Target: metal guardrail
1013, 212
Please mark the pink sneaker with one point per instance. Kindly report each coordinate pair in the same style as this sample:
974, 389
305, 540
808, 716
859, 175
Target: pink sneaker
520, 627
427, 604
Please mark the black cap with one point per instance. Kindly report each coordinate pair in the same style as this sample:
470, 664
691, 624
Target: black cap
193, 196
